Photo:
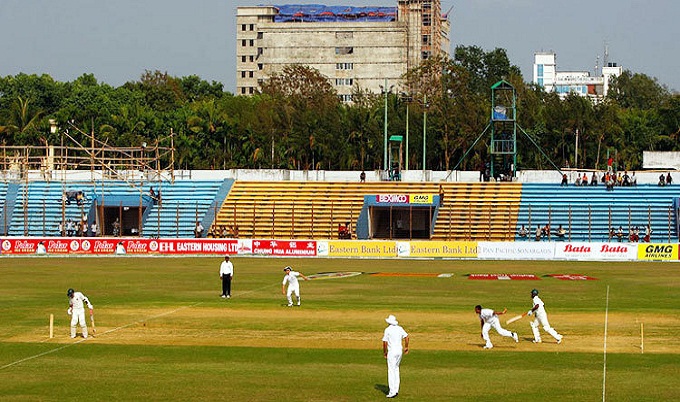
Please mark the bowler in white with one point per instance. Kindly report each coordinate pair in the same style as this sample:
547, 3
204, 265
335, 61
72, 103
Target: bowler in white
489, 319
541, 318
76, 309
291, 278
392, 350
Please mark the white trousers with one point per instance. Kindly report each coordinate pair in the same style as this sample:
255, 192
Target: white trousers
542, 320
393, 380
495, 324
78, 316
289, 293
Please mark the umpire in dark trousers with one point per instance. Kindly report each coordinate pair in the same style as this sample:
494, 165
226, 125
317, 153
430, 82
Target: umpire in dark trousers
226, 275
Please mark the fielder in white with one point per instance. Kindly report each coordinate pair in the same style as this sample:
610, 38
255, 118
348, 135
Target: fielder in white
541, 319
392, 350
291, 278
76, 309
489, 319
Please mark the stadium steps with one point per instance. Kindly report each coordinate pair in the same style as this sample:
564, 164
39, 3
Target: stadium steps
588, 212
315, 209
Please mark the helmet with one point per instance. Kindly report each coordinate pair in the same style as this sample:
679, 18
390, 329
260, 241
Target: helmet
534, 292
70, 292
288, 268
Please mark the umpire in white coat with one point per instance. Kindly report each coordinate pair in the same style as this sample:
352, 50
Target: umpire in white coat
392, 350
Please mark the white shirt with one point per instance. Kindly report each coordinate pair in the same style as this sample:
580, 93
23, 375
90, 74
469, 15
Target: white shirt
76, 302
541, 308
487, 315
226, 268
291, 278
393, 336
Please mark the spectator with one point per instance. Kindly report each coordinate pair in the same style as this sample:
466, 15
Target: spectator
578, 179
70, 227
593, 179
619, 179
612, 233
565, 182
198, 230
153, 195
545, 231
648, 233
223, 232
234, 231
669, 179
538, 232
60, 229
626, 179
80, 197
619, 234
343, 231
633, 180
362, 177
93, 229
662, 180
634, 234
584, 180
610, 162
441, 195
560, 232
116, 227
523, 232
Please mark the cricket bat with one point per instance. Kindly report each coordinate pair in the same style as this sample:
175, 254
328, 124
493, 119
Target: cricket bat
515, 318
94, 330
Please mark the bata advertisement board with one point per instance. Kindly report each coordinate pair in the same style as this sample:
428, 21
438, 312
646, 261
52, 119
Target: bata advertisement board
356, 248
596, 251
284, 248
657, 252
523, 250
441, 249
139, 246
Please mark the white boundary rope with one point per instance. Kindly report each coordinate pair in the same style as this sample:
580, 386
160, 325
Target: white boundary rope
604, 373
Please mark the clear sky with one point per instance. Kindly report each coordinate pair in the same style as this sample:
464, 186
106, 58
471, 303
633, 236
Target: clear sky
117, 40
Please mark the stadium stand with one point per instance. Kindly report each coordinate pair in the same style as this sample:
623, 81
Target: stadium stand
588, 213
315, 209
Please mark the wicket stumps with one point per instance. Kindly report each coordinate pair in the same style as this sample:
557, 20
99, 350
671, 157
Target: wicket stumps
51, 326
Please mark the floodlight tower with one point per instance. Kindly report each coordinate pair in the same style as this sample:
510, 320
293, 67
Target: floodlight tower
503, 130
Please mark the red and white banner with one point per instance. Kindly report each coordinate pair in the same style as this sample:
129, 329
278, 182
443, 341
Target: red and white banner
596, 251
285, 248
108, 245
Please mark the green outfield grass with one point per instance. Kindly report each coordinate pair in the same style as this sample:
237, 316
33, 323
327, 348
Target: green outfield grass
163, 333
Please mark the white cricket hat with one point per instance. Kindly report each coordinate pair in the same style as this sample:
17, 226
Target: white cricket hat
392, 320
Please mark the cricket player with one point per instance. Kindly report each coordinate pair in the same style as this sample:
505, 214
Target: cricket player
291, 278
76, 309
392, 350
489, 319
541, 318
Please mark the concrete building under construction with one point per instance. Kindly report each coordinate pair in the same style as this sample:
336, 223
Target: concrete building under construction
353, 46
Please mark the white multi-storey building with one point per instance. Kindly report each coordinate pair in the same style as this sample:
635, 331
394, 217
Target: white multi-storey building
352, 46
577, 82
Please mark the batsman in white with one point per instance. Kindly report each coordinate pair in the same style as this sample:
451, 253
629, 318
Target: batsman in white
541, 318
291, 278
76, 309
489, 319
392, 350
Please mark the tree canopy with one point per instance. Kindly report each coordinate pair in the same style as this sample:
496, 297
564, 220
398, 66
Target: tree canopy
297, 120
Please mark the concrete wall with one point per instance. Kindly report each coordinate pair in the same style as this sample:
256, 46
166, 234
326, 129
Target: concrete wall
525, 176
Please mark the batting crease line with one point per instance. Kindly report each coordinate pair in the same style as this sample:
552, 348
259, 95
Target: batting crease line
114, 330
